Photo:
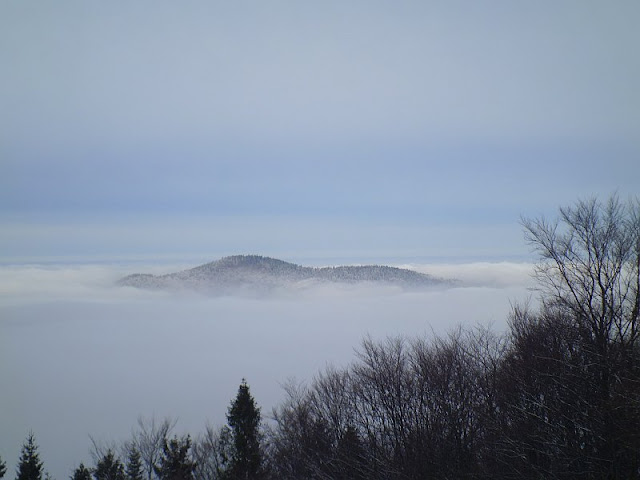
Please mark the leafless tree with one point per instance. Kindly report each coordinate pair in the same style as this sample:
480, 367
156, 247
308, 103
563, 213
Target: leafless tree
299, 441
148, 438
557, 396
100, 448
590, 273
385, 394
545, 427
212, 452
591, 266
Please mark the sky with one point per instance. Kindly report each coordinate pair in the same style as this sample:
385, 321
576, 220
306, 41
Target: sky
305, 130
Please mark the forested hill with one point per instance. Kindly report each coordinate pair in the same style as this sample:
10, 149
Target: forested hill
257, 273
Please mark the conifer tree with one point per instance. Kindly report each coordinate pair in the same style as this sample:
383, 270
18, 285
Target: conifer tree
350, 460
133, 469
81, 473
244, 420
3, 468
30, 466
109, 468
176, 462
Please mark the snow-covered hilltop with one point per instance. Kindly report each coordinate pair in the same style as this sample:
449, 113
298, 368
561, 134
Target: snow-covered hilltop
255, 274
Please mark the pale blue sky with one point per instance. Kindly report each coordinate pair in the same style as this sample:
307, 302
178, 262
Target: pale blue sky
335, 129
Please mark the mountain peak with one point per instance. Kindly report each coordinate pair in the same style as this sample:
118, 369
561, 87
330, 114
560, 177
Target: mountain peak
255, 273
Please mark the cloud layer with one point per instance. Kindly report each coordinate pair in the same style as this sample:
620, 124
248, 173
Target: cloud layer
82, 357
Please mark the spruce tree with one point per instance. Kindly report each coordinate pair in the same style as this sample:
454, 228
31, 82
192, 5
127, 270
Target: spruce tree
350, 459
244, 420
81, 473
30, 466
176, 462
109, 468
3, 468
133, 469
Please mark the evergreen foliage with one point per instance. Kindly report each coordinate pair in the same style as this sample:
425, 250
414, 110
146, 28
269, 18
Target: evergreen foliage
350, 462
3, 468
244, 419
176, 462
109, 467
30, 466
133, 468
81, 473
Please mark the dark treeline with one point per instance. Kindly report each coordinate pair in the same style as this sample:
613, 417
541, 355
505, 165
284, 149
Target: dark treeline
557, 396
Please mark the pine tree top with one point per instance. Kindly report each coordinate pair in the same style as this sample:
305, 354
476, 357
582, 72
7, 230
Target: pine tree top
244, 420
81, 473
30, 466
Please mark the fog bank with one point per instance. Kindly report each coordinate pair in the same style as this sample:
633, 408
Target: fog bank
80, 356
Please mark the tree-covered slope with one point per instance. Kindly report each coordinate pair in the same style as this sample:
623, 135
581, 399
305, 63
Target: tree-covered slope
254, 272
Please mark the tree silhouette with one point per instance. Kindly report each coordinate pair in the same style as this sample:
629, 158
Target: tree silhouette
244, 420
133, 468
30, 466
3, 468
176, 462
590, 273
351, 457
109, 468
149, 438
211, 452
81, 473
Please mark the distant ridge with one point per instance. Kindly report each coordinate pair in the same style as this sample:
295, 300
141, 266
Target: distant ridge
258, 274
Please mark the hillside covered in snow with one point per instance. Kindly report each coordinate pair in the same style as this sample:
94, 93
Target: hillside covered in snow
255, 274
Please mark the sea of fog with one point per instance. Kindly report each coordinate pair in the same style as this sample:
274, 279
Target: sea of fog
80, 356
